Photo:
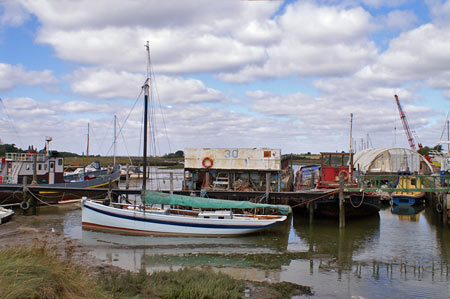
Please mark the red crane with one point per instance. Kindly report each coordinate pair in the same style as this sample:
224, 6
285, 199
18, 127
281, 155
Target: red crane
412, 145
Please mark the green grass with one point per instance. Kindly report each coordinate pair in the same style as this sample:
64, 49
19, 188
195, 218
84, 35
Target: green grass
184, 283
35, 272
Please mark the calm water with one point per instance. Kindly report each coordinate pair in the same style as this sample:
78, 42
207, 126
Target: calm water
395, 256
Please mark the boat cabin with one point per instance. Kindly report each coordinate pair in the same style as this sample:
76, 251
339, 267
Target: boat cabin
16, 167
218, 214
331, 166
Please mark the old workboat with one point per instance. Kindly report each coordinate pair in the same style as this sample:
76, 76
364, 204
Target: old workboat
408, 198
316, 179
46, 169
162, 213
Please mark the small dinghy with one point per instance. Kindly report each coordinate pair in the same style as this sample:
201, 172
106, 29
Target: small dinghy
5, 215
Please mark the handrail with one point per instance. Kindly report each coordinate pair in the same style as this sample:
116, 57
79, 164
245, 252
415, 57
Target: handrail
389, 183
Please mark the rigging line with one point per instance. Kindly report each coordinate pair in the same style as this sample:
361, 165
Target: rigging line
443, 129
11, 122
126, 148
128, 116
162, 112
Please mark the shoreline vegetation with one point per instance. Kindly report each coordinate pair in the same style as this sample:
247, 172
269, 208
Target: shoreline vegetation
43, 271
168, 161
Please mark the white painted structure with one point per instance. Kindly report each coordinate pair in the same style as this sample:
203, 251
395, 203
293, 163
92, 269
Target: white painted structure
232, 158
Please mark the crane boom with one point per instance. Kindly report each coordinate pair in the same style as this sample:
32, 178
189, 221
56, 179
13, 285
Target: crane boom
412, 145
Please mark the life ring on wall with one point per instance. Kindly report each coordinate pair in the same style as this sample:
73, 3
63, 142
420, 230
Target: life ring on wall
207, 162
345, 174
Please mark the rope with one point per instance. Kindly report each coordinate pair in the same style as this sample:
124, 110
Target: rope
311, 200
32, 194
362, 200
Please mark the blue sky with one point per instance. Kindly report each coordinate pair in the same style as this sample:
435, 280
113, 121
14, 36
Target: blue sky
280, 74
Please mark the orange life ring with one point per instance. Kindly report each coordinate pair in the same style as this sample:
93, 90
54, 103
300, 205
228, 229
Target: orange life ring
345, 174
207, 162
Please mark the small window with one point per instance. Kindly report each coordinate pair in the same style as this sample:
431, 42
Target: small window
413, 182
39, 166
45, 166
52, 165
60, 161
221, 217
206, 217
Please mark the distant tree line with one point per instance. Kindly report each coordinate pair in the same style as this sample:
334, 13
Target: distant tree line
177, 154
12, 148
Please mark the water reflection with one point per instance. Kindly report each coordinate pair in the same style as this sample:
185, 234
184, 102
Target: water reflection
156, 252
408, 213
375, 257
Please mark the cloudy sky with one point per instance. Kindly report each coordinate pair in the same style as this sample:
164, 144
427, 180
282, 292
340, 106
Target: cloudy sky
230, 73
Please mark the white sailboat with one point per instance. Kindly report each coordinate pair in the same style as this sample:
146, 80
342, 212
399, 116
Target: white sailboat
157, 215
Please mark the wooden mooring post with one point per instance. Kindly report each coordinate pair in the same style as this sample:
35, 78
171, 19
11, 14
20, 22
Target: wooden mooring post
341, 201
444, 208
267, 186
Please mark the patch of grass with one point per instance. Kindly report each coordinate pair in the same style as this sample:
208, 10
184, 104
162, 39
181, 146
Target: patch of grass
35, 272
184, 283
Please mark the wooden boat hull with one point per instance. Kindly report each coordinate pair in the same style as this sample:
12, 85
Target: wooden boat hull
96, 216
355, 205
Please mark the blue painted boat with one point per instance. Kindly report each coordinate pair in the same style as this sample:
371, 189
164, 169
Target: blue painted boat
408, 198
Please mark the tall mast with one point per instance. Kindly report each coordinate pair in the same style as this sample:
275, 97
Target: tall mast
146, 96
87, 146
448, 137
115, 139
350, 162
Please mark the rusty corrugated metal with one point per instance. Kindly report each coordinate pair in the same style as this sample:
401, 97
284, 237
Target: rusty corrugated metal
233, 158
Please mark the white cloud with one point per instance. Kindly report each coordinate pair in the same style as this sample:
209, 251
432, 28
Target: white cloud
13, 14
315, 41
109, 84
12, 75
400, 19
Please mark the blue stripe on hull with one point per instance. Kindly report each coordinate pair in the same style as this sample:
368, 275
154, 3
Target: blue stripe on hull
182, 224
406, 201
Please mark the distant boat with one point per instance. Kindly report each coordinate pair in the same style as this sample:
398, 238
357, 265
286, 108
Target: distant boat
16, 168
402, 198
159, 213
5, 215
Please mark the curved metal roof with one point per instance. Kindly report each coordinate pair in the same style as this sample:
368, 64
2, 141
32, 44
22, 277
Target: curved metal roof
390, 160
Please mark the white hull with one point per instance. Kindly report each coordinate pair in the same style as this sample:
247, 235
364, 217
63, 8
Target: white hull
5, 215
96, 216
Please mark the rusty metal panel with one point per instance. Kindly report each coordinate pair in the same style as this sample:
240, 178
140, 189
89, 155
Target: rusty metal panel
232, 158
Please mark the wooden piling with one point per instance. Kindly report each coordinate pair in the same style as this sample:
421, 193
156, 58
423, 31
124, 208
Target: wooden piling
341, 201
267, 186
311, 212
444, 208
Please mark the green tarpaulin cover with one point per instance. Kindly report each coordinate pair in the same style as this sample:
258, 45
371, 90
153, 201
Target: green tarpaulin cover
152, 197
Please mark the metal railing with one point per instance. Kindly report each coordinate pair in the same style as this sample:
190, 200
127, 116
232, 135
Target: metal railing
25, 157
390, 183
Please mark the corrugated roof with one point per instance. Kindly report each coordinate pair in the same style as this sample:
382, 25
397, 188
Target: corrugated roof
389, 160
